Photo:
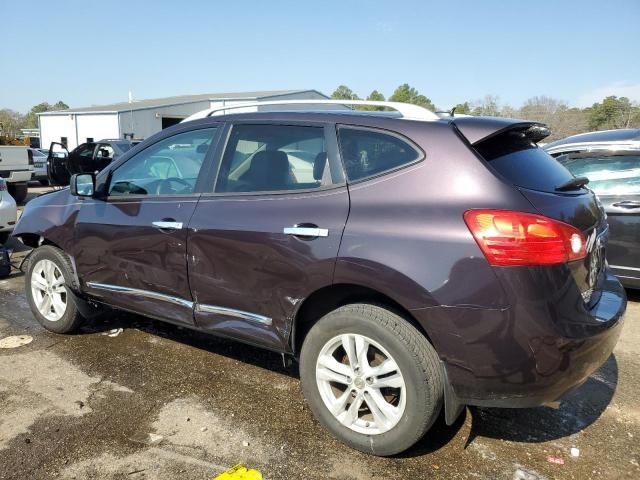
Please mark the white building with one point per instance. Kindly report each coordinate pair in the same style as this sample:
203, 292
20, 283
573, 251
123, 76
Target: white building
143, 118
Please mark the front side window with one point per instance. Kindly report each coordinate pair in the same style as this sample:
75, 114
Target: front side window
169, 167
269, 158
366, 152
85, 150
607, 174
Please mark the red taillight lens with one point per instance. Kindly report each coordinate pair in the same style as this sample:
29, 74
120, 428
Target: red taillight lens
518, 238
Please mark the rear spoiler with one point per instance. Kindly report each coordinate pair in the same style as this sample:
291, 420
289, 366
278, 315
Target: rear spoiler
480, 129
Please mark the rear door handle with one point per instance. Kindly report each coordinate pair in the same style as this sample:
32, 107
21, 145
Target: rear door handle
167, 225
311, 232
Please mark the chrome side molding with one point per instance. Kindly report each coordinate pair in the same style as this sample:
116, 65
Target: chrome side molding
230, 312
142, 293
625, 268
199, 307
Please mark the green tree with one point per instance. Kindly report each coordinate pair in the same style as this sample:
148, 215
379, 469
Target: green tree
407, 94
344, 93
489, 106
613, 112
11, 122
374, 96
32, 117
463, 108
562, 120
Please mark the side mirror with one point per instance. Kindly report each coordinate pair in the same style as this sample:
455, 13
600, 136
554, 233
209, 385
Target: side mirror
83, 184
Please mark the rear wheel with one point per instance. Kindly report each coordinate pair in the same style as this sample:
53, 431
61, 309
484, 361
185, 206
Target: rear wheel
4, 236
48, 280
371, 378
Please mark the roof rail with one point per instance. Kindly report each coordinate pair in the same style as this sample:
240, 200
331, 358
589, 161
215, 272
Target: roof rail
407, 110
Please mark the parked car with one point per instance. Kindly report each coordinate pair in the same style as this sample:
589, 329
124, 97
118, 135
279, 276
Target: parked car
16, 167
611, 161
85, 158
8, 212
408, 262
39, 166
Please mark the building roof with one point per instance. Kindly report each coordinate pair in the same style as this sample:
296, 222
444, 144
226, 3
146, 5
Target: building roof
178, 100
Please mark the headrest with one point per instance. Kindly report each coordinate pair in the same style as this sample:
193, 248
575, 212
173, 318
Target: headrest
270, 161
202, 148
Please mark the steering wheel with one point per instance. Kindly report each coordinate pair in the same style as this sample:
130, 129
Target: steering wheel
164, 185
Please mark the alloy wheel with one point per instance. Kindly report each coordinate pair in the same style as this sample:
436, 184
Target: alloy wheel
361, 384
48, 290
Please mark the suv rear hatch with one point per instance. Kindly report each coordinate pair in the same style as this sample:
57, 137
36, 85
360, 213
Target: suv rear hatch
512, 153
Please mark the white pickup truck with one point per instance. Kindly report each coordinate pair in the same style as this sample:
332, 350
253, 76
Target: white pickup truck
16, 167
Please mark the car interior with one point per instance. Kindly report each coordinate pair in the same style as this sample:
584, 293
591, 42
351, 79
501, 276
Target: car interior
170, 167
274, 158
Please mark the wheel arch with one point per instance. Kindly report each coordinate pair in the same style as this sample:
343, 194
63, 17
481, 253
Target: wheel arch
330, 297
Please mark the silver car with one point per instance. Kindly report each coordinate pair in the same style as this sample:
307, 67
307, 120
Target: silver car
8, 212
611, 161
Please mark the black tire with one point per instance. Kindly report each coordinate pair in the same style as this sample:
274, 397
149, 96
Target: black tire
18, 191
71, 319
4, 236
44, 182
414, 355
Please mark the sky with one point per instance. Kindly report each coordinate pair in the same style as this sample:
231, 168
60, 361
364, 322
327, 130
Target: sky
90, 53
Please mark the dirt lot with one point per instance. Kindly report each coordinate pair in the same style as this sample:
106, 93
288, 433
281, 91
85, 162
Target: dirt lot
156, 401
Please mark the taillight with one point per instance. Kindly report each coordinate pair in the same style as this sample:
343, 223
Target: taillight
516, 238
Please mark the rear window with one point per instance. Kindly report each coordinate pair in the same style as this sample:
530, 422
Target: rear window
522, 163
366, 153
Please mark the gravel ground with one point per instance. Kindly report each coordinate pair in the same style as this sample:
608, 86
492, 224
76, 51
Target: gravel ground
157, 401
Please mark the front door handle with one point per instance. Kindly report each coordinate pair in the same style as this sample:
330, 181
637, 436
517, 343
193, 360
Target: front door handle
167, 225
304, 231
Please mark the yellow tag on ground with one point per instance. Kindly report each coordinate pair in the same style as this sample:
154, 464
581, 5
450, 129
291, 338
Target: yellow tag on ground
240, 472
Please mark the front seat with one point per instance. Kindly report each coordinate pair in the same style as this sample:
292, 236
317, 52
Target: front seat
269, 170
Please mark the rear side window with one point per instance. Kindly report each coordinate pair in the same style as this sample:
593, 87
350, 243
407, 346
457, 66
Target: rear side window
521, 162
367, 152
607, 174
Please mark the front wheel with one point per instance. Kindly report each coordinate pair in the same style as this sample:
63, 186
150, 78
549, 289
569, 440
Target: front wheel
371, 378
47, 282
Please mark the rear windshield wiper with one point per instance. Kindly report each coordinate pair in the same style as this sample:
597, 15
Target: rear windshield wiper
573, 184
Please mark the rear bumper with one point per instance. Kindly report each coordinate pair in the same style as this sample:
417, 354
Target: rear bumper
16, 176
526, 355
8, 213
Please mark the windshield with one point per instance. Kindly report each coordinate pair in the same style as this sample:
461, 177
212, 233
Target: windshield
124, 146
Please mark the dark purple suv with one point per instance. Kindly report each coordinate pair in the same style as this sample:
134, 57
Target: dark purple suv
408, 264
